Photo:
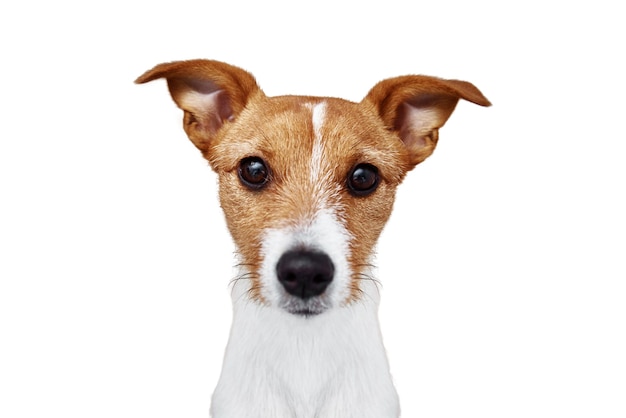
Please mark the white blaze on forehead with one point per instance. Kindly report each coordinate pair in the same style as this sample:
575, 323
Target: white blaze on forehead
318, 116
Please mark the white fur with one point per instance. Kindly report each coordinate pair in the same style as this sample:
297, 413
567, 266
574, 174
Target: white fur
280, 365
318, 117
324, 233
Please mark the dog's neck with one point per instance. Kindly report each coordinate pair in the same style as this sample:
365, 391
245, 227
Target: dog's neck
281, 365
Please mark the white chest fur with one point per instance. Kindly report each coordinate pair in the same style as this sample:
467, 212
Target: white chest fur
280, 365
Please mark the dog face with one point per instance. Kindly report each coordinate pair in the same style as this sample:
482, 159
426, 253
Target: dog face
326, 186
306, 183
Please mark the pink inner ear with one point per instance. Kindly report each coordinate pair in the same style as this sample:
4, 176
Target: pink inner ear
214, 99
224, 109
207, 104
412, 141
210, 110
414, 124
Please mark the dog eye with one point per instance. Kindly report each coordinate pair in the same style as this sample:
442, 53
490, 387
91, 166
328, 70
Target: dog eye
363, 179
253, 172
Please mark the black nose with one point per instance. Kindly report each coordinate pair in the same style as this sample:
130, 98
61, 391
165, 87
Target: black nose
304, 273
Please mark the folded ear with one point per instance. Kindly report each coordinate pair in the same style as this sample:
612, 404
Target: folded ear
415, 107
210, 93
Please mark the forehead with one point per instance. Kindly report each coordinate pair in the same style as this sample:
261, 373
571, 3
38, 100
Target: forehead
290, 131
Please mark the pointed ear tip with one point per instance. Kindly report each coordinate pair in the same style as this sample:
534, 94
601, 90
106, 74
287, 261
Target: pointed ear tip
142, 79
145, 77
470, 92
480, 100
151, 75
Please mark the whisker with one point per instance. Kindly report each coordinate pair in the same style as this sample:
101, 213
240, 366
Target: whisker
368, 265
250, 278
365, 277
243, 276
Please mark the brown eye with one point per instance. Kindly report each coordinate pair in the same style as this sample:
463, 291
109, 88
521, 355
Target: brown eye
363, 179
253, 172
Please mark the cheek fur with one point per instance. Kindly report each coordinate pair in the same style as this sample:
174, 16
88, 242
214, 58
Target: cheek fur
365, 219
245, 220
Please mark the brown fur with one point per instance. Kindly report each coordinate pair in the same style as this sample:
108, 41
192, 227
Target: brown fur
239, 121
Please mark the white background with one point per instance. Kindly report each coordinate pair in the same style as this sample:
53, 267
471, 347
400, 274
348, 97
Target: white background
502, 266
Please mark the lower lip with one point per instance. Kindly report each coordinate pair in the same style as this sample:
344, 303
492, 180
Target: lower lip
305, 313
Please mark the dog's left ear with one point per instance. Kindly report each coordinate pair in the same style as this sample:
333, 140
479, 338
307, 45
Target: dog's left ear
415, 107
211, 93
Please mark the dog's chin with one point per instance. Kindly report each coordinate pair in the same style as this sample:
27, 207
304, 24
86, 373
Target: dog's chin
305, 313
305, 308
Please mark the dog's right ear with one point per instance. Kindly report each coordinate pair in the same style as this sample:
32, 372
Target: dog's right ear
416, 106
211, 93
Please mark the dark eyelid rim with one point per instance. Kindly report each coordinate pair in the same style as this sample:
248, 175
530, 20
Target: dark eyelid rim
363, 193
254, 186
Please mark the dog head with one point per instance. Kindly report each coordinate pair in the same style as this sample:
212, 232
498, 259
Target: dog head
308, 183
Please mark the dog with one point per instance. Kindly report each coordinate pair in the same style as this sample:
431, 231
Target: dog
306, 185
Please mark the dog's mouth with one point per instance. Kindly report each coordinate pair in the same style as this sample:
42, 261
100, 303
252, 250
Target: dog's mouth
305, 307
305, 313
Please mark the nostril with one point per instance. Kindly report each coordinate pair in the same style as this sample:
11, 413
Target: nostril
319, 279
305, 273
